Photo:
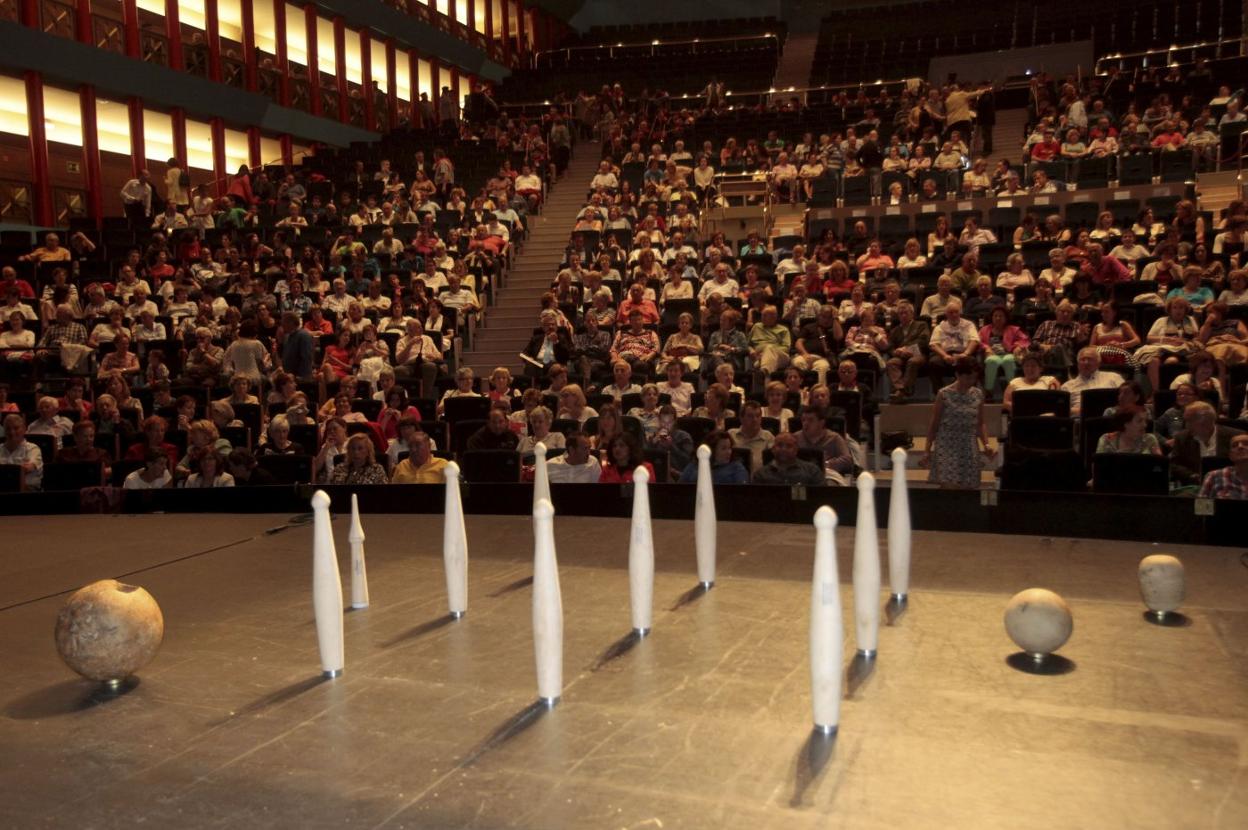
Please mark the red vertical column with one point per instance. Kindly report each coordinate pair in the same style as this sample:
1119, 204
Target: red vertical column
254, 151
288, 150
249, 46
84, 29
489, 24
138, 144
340, 69
314, 62
212, 22
219, 173
472, 17
522, 46
91, 177
29, 13
392, 89
130, 20
38, 136
279, 38
173, 31
366, 75
177, 119
505, 7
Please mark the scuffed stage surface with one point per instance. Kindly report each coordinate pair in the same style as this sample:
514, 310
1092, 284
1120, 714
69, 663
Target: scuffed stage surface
705, 724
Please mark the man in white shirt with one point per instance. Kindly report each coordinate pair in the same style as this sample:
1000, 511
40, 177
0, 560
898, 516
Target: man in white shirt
170, 220
677, 245
1058, 273
605, 178
458, 296
795, 264
1129, 252
416, 355
136, 198
1089, 377
751, 433
953, 338
388, 244
622, 384
577, 465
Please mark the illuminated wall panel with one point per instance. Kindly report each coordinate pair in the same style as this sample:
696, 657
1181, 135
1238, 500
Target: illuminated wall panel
13, 106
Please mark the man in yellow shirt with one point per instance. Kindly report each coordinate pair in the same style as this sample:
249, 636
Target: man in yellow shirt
52, 251
420, 466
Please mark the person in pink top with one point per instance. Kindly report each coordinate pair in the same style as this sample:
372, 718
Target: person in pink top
1004, 345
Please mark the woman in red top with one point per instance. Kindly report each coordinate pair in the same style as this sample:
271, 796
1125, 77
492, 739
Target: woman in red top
624, 456
839, 283
338, 358
241, 186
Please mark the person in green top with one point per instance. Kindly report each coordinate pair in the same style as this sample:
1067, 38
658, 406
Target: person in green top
770, 342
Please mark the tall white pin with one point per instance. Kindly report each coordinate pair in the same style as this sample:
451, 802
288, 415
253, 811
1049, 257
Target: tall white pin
359, 573
704, 525
326, 589
455, 545
541, 480
827, 629
866, 570
641, 555
547, 606
899, 530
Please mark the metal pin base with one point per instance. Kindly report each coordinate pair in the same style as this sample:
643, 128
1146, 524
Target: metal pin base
549, 702
900, 599
1167, 619
458, 615
867, 653
331, 674
707, 585
641, 632
825, 730
358, 605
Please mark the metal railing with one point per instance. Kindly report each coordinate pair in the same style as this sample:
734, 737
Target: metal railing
1167, 56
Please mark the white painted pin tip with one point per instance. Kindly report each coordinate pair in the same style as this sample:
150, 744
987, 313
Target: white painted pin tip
543, 509
356, 534
641, 476
866, 481
899, 457
825, 518
451, 470
540, 449
704, 451
320, 500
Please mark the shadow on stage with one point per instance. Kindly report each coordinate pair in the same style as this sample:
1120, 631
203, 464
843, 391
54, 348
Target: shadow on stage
420, 630
812, 759
67, 698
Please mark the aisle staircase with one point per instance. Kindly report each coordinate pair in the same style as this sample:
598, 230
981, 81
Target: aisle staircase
1008, 138
509, 323
793, 70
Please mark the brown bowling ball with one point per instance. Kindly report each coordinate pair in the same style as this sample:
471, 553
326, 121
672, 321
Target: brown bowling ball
109, 630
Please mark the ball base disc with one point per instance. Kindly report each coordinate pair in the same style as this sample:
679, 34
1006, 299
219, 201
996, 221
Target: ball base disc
1047, 664
1168, 619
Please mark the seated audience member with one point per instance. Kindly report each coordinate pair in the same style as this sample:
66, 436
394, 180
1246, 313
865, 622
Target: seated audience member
463, 388
421, 466
725, 469
154, 428
18, 451
496, 434
1230, 482
1203, 437
153, 475
539, 432
242, 465
49, 422
786, 468
1130, 435
751, 434
577, 465
209, 472
360, 465
1033, 377
1090, 377
838, 463
623, 455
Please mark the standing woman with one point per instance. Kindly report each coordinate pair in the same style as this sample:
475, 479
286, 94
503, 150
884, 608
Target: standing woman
957, 423
240, 187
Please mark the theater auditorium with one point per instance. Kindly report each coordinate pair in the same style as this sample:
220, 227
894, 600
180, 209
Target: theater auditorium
594, 413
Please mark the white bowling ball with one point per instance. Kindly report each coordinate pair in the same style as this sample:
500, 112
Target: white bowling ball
1038, 620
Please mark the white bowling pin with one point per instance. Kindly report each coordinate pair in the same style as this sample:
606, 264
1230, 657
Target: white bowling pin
541, 481
455, 545
899, 530
641, 555
359, 574
547, 606
866, 570
326, 589
704, 526
826, 626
